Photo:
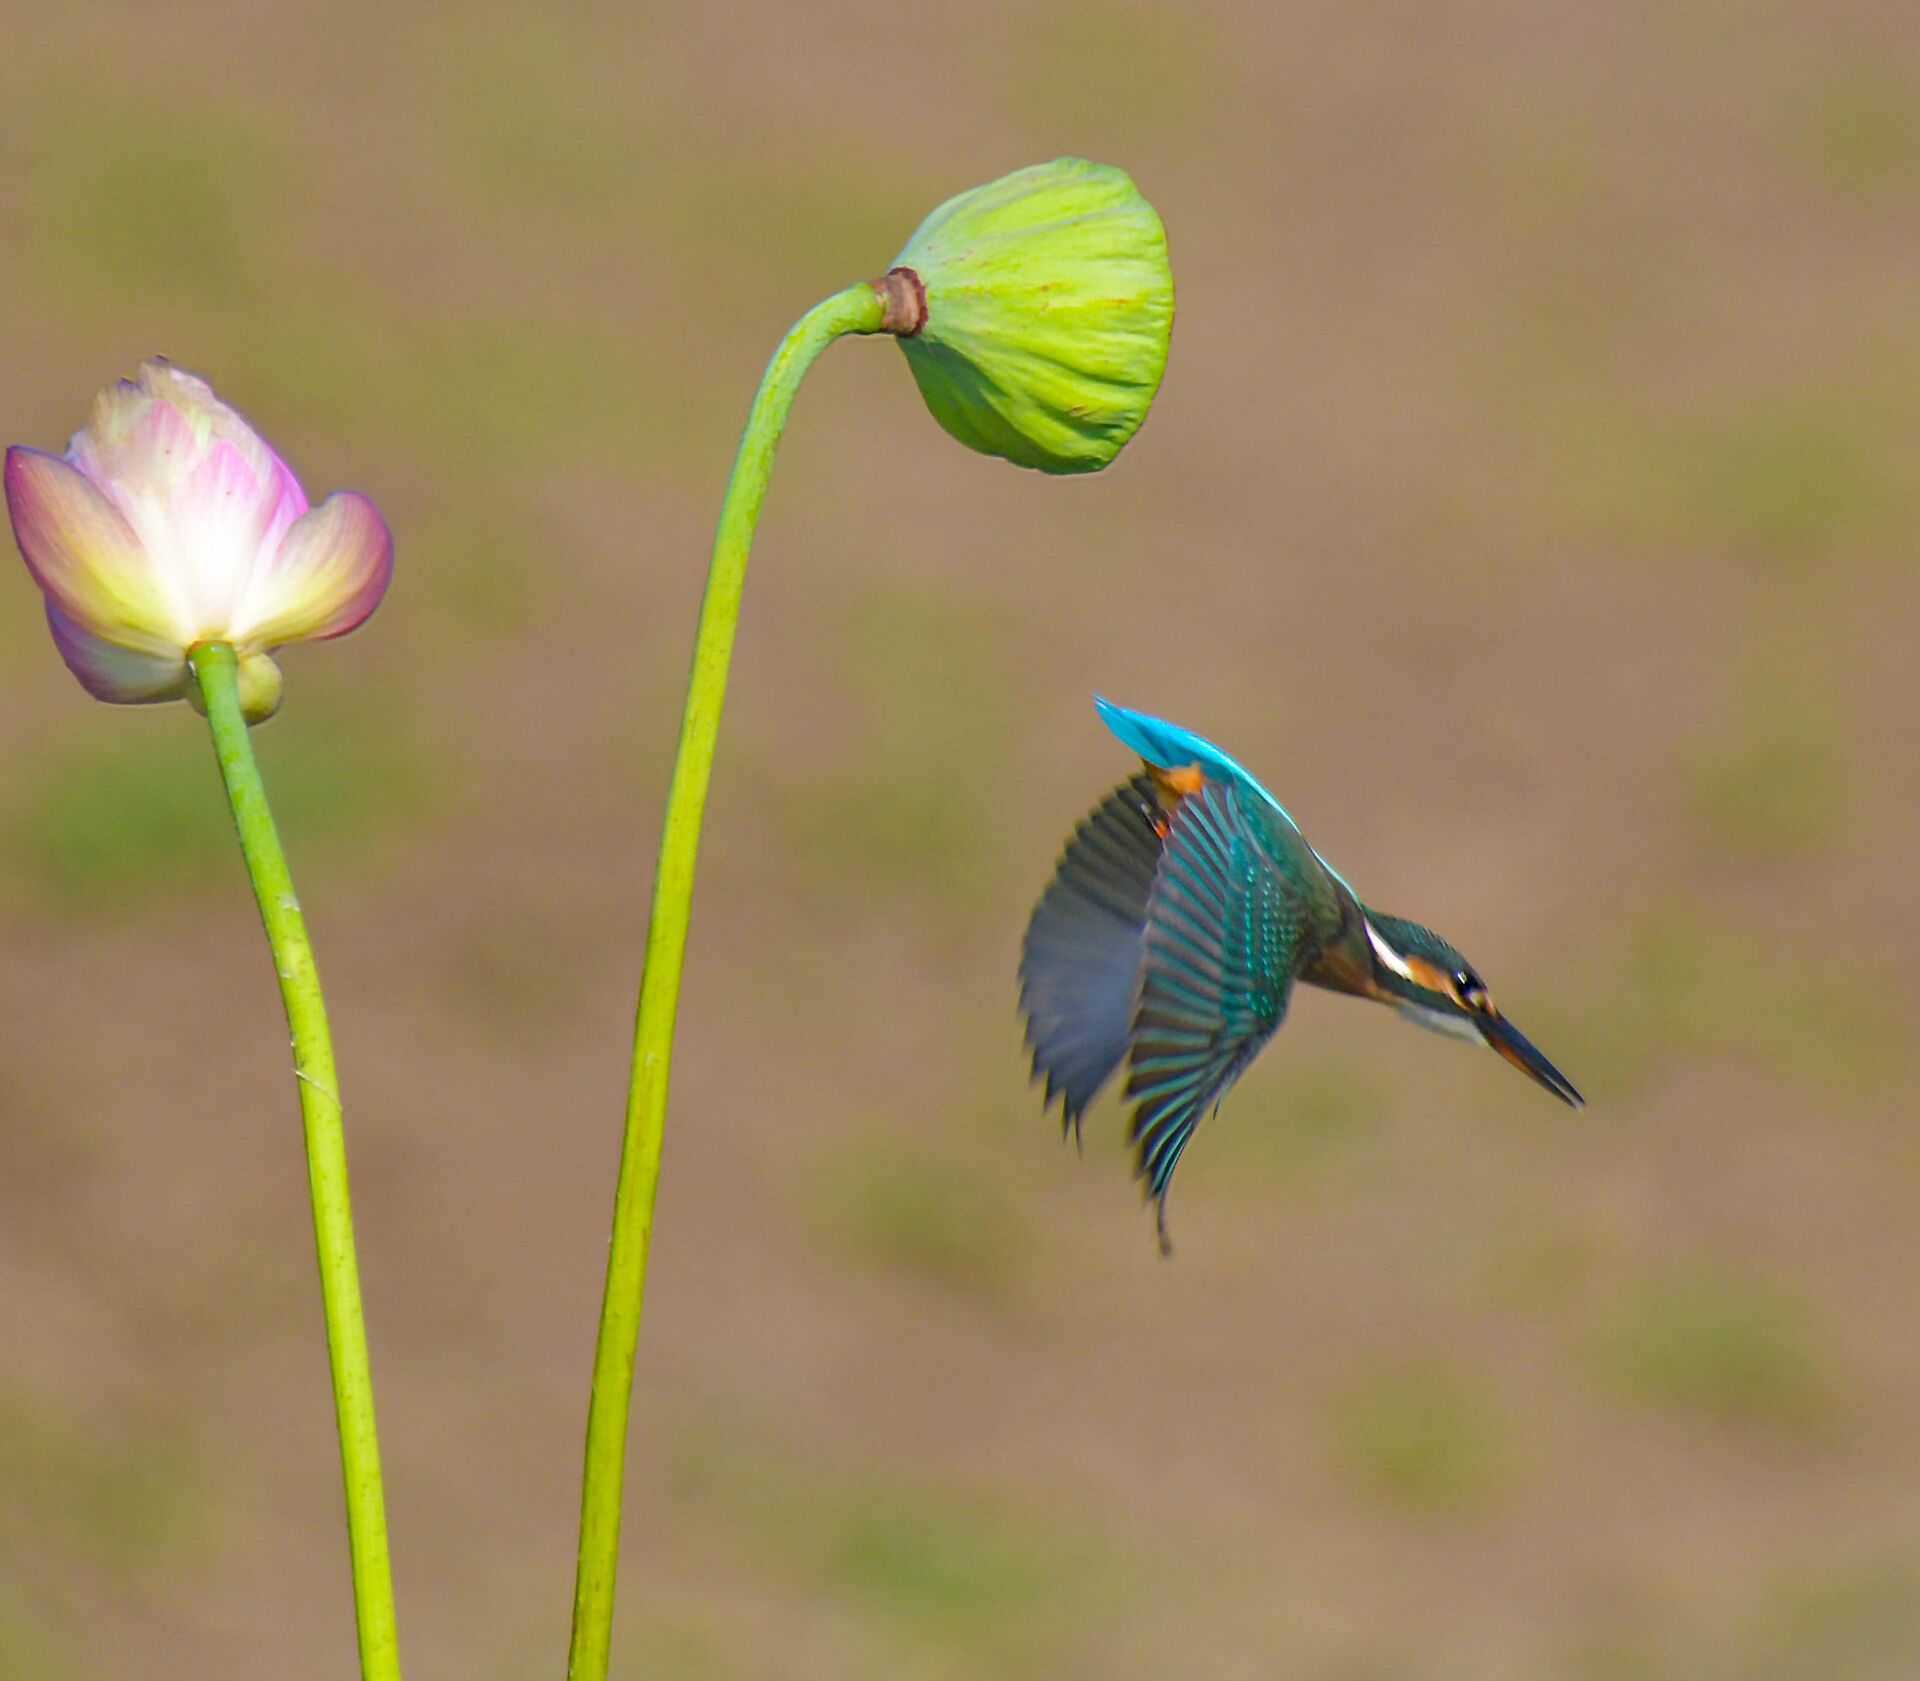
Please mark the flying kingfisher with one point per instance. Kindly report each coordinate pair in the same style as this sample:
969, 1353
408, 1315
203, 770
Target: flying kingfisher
1182, 911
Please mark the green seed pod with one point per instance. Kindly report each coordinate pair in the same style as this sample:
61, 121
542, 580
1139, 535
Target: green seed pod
1035, 313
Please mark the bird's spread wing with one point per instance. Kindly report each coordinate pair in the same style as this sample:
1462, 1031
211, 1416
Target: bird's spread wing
1081, 958
1223, 935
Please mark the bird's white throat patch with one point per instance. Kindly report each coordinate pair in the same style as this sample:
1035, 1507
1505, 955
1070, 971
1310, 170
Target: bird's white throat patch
1442, 1021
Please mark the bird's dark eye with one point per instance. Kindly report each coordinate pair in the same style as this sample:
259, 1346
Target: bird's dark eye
1469, 988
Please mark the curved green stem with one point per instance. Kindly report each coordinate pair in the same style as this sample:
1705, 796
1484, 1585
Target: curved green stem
856, 310
214, 668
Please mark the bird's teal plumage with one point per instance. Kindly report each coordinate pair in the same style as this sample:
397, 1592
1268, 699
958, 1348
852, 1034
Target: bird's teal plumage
1181, 914
1224, 934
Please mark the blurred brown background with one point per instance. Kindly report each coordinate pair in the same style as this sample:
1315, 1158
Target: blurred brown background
1531, 502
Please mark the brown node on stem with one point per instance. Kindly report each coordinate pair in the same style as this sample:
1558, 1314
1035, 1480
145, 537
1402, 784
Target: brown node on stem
903, 302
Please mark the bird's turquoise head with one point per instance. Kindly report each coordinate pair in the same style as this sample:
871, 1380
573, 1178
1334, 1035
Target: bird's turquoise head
1432, 984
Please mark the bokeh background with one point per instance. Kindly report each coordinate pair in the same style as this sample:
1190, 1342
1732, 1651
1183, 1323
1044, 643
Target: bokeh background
1531, 502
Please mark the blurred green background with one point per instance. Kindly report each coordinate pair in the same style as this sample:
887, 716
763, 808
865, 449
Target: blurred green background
1531, 502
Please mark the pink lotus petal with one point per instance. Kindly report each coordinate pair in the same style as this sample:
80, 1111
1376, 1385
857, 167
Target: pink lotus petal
109, 672
190, 394
216, 520
131, 439
223, 485
210, 420
116, 410
329, 574
291, 502
84, 554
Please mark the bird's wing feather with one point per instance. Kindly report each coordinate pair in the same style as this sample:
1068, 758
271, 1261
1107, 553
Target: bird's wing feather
1081, 957
1223, 938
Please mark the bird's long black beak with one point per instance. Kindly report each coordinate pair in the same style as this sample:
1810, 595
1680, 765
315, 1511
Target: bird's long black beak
1518, 1049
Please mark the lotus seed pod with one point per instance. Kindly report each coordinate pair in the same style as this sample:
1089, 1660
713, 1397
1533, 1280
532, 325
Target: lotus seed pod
1035, 313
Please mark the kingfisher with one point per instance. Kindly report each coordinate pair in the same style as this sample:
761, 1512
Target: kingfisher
1180, 915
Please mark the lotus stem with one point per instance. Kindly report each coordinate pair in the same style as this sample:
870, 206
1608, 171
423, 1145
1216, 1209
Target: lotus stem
858, 309
215, 672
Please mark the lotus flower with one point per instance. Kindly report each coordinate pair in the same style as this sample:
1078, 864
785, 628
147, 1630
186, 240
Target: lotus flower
170, 522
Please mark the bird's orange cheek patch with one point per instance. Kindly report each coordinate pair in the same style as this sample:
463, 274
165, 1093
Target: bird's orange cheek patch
1427, 975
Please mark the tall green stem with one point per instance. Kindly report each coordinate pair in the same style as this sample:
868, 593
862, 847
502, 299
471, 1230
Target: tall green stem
856, 310
214, 669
